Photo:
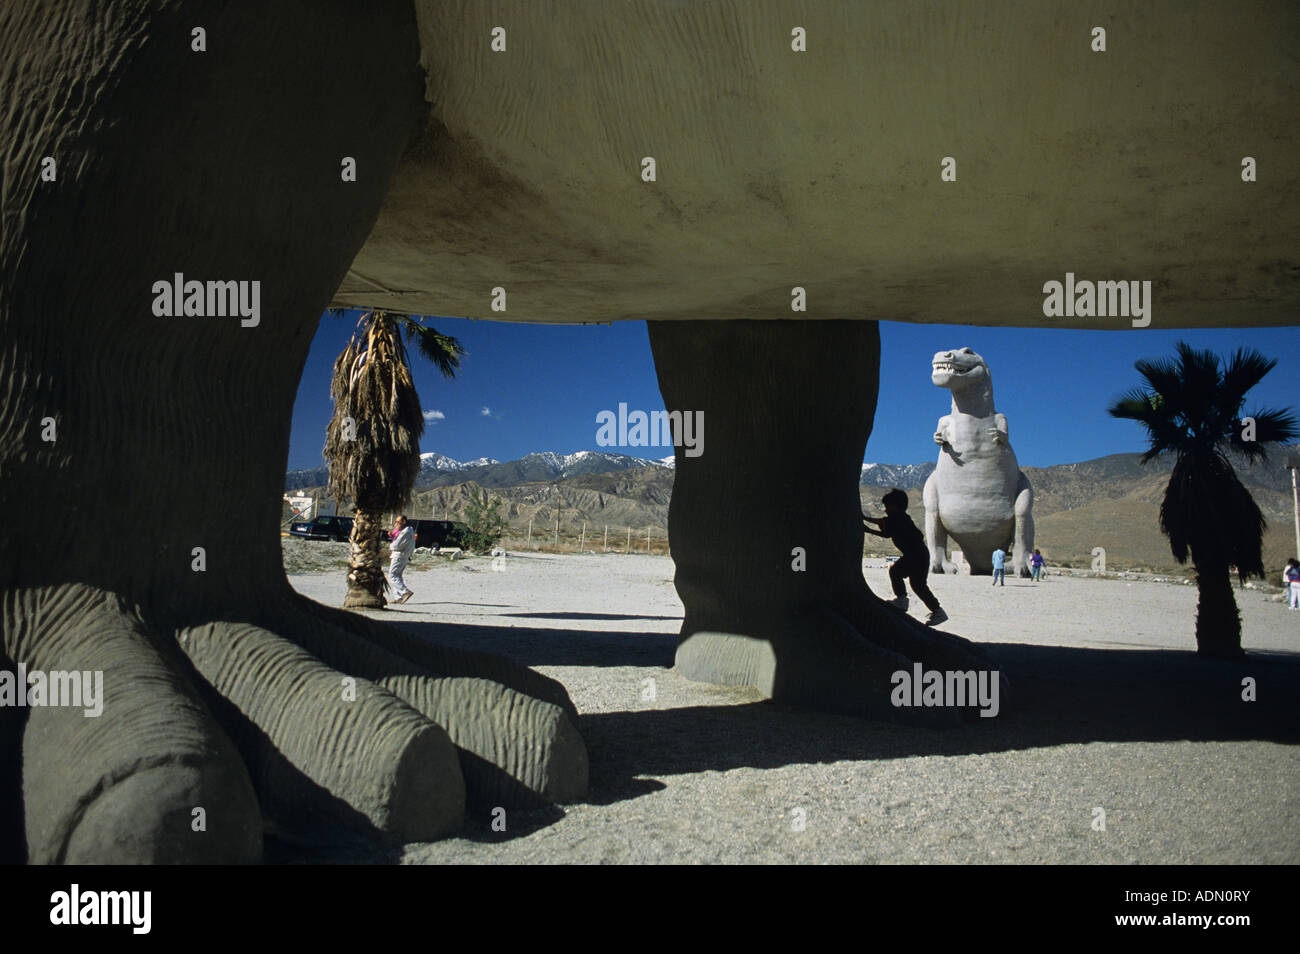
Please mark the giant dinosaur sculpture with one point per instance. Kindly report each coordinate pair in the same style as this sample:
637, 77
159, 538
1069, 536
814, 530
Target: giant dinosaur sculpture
977, 494
503, 147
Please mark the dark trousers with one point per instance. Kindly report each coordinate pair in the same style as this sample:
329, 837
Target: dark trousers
915, 572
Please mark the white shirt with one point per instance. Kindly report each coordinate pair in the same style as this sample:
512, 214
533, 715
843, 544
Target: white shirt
404, 542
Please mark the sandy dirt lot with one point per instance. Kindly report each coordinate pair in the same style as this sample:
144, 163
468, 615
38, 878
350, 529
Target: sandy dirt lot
1111, 711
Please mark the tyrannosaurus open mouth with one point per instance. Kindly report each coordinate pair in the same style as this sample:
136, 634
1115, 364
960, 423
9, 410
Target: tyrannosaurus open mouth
954, 363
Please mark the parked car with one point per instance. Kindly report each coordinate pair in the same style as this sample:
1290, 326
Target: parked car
323, 528
428, 533
439, 533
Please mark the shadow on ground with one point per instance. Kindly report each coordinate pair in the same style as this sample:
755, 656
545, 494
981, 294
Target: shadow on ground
587, 616
555, 647
1061, 696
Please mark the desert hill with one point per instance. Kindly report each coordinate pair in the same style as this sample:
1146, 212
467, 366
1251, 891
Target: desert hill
1111, 502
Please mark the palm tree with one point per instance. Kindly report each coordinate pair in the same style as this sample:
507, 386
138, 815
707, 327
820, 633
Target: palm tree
1191, 407
372, 444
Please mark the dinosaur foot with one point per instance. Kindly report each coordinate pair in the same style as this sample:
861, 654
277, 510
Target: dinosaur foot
841, 658
312, 724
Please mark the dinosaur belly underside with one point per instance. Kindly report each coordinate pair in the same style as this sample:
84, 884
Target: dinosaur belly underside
977, 514
977, 493
770, 167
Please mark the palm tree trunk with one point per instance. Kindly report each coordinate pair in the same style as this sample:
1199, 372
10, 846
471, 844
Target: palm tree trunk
1218, 623
366, 580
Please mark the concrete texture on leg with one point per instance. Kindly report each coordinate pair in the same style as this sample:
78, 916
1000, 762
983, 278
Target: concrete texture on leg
223, 690
766, 523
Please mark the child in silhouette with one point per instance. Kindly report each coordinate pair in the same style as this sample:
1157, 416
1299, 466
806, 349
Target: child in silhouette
914, 564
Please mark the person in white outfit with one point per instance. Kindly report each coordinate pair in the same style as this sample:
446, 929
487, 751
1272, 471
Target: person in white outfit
401, 548
1291, 576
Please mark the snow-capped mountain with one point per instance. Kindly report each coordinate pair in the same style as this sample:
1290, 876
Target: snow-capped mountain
439, 470
441, 462
902, 476
591, 462
544, 465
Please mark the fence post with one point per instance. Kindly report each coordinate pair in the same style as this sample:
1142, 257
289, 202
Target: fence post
582, 541
606, 550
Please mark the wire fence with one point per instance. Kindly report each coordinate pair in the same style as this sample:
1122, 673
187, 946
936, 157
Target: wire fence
586, 537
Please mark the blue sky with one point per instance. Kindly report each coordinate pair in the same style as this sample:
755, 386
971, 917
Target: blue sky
533, 387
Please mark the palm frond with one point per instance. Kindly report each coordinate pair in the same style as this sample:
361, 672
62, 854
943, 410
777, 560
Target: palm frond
1272, 426
1199, 394
1150, 410
1246, 540
1164, 378
375, 456
442, 351
1245, 369
1209, 515
1134, 405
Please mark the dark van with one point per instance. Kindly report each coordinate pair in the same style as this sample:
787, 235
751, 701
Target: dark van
438, 533
323, 528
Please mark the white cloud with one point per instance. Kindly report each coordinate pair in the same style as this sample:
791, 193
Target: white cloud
434, 416
488, 412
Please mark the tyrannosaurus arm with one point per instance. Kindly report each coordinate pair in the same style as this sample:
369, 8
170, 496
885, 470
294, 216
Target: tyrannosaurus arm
941, 436
999, 430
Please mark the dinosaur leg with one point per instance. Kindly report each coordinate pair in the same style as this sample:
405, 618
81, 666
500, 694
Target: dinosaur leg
765, 524
1024, 536
936, 535
147, 453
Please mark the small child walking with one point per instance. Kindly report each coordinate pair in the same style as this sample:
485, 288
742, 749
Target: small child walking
914, 564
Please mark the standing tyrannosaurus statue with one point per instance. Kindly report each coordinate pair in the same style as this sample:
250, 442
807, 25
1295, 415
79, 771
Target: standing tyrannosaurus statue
977, 494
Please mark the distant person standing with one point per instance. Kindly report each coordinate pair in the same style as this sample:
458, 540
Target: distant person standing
1292, 576
914, 564
999, 567
401, 548
1036, 562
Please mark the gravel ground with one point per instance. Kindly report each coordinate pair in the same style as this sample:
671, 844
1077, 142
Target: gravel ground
1112, 711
